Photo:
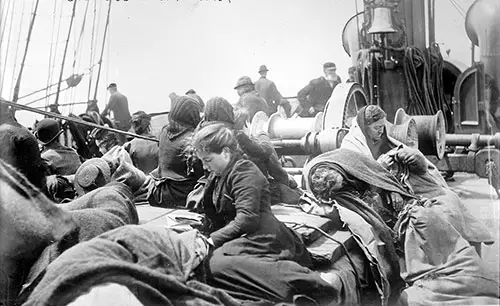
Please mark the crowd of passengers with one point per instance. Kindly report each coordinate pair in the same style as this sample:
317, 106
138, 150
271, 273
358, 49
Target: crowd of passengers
70, 233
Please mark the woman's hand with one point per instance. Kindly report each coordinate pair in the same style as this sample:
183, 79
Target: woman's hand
397, 201
385, 161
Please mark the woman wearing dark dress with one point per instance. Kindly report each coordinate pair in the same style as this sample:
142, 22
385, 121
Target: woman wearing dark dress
255, 256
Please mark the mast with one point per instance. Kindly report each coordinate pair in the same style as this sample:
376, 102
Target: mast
64, 55
30, 30
102, 51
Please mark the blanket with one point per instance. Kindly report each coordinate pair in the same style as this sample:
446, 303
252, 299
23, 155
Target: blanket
155, 264
441, 267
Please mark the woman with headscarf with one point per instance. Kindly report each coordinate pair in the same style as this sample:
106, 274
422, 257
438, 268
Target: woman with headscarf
368, 136
436, 261
255, 256
178, 172
144, 153
258, 149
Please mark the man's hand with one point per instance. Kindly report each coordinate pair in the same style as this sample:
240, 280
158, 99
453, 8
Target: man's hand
311, 110
385, 161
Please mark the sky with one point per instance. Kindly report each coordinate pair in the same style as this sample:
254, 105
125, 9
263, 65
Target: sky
155, 47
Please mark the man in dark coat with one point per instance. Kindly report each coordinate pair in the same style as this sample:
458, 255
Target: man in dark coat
20, 148
314, 96
268, 90
249, 97
60, 159
118, 104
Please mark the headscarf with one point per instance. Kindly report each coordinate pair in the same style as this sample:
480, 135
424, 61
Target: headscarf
141, 122
376, 148
219, 109
184, 116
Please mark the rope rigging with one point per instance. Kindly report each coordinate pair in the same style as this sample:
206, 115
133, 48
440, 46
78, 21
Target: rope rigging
4, 22
77, 54
49, 70
423, 71
2, 79
80, 38
30, 30
458, 8
65, 51
17, 45
102, 50
92, 42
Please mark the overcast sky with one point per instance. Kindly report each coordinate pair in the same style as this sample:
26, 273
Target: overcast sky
156, 47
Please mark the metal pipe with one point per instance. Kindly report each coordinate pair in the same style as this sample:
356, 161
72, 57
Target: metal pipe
293, 128
286, 143
74, 120
432, 21
473, 139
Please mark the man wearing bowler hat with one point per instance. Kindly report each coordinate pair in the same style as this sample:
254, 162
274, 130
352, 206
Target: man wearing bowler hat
60, 159
269, 92
118, 104
249, 97
314, 96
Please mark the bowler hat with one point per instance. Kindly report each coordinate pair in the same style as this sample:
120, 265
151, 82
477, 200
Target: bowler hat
47, 130
244, 80
263, 68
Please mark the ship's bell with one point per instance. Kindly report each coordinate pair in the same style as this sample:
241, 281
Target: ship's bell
381, 21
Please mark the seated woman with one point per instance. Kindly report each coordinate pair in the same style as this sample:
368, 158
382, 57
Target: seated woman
177, 172
368, 135
144, 153
259, 150
255, 256
429, 242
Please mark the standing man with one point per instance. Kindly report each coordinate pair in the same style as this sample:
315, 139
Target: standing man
249, 97
352, 74
314, 96
268, 91
118, 104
